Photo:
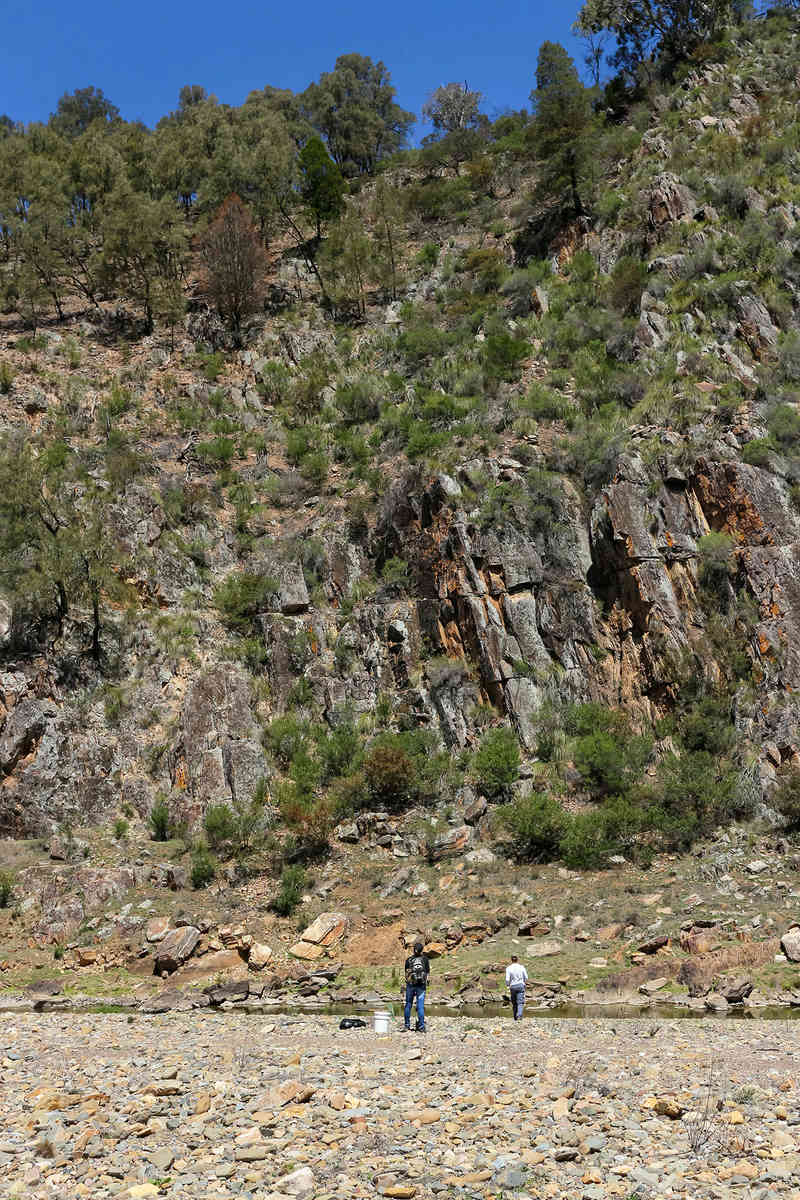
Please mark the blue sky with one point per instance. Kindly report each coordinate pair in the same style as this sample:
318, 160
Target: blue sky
141, 53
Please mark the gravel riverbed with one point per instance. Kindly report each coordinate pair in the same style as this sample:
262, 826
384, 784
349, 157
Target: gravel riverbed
223, 1104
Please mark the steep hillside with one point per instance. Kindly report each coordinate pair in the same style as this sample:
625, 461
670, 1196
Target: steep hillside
510, 559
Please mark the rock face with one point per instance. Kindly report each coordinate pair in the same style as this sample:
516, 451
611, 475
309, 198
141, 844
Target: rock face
23, 728
219, 751
668, 201
293, 592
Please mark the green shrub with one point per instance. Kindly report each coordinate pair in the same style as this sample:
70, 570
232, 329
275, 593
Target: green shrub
536, 823
784, 425
591, 837
120, 829
428, 256
6, 378
420, 342
274, 382
715, 564
118, 401
441, 199
708, 726
285, 737
160, 821
7, 881
544, 404
204, 868
626, 285
123, 461
315, 467
114, 705
290, 893
340, 751
216, 454
243, 595
502, 353
220, 825
584, 844
213, 365
611, 763
395, 573
358, 399
786, 798
488, 266
757, 452
307, 386
390, 775
348, 794
789, 357
496, 763
692, 795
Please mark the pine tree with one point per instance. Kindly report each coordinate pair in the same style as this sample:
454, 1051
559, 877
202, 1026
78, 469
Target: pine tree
322, 184
562, 123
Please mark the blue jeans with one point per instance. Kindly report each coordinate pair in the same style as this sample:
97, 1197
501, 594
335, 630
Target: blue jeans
518, 1001
415, 994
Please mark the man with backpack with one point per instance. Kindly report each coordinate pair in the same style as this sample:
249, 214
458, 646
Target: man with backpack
418, 969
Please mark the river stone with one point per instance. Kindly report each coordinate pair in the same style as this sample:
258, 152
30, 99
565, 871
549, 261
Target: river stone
544, 949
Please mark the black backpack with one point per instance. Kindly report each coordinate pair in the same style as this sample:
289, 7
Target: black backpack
416, 973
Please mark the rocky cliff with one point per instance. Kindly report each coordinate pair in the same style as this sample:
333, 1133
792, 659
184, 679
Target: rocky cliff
609, 515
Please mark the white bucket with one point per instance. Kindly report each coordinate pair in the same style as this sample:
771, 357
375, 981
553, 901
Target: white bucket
381, 1021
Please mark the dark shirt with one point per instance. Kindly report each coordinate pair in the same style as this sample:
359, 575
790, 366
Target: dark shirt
425, 959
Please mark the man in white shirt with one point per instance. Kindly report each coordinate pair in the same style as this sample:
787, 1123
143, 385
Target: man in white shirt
516, 978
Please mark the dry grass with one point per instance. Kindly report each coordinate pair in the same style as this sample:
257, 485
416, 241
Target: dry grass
699, 973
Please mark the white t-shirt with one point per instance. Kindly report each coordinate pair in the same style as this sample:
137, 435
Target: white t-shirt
516, 975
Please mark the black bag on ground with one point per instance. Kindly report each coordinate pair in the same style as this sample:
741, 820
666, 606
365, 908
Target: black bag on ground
352, 1023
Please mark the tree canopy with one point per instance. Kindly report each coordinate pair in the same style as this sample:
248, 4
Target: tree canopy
353, 107
77, 110
660, 30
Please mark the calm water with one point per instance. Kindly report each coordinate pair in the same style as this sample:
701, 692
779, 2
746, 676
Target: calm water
472, 1012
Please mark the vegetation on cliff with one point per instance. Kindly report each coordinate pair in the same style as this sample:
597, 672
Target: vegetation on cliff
337, 475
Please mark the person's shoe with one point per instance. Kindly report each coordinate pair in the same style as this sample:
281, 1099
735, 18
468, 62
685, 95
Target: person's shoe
406, 1029
421, 1029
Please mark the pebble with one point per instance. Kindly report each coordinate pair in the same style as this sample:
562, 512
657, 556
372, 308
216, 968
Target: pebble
219, 1105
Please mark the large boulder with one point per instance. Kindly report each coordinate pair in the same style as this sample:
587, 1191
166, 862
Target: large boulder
175, 948
790, 944
328, 929
232, 991
260, 954
451, 842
